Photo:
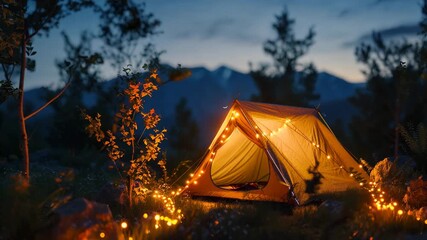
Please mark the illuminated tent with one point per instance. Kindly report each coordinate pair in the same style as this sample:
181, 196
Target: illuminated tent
264, 152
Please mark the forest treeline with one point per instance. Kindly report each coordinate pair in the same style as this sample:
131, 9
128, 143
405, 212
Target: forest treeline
392, 108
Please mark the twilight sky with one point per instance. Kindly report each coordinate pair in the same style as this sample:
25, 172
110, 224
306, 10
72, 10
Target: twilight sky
231, 32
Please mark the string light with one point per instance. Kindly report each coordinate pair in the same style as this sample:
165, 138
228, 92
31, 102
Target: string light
102, 235
124, 225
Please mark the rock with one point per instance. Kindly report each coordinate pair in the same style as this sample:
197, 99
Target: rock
388, 170
82, 219
416, 194
334, 208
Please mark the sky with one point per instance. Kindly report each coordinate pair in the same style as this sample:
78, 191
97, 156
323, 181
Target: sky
231, 33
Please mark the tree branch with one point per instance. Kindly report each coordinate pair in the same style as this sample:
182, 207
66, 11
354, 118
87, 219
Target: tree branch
50, 101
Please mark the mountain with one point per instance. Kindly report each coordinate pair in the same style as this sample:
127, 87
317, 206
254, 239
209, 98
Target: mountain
210, 93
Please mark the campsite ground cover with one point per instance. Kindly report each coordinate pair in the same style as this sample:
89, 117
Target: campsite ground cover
24, 214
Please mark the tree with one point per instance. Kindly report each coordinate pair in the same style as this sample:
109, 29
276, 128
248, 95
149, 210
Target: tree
395, 95
123, 31
286, 81
134, 148
21, 22
123, 25
184, 136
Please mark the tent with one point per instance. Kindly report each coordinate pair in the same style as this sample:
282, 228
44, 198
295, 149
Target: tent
270, 152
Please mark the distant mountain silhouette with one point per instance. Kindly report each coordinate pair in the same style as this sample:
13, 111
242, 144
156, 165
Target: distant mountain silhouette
209, 93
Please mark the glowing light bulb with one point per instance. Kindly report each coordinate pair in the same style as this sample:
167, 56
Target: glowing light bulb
102, 235
360, 166
157, 217
226, 129
223, 136
191, 175
257, 135
328, 157
124, 225
202, 171
400, 212
210, 160
351, 174
395, 203
195, 182
361, 184
145, 215
288, 120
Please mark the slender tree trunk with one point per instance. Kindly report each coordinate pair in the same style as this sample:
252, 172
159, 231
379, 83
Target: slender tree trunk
130, 191
23, 128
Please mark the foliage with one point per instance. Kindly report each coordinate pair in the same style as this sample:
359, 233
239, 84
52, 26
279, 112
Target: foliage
416, 139
184, 136
24, 208
124, 24
395, 95
134, 153
287, 81
313, 184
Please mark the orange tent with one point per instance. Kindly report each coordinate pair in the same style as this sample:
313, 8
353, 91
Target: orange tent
264, 152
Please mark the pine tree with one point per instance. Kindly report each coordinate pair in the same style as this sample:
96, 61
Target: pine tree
282, 82
184, 136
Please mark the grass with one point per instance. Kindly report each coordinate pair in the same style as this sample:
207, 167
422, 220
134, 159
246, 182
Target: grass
24, 212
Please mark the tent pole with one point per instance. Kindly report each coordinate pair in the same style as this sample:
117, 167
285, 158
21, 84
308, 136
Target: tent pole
269, 155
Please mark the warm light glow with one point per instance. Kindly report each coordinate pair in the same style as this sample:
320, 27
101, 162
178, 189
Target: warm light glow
191, 175
145, 215
210, 160
425, 221
288, 120
395, 203
124, 225
257, 135
157, 217
102, 235
360, 166
328, 157
195, 182
223, 136
400, 212
361, 184
226, 129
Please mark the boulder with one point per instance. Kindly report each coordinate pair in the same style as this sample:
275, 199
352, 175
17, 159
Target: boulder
389, 170
416, 193
82, 219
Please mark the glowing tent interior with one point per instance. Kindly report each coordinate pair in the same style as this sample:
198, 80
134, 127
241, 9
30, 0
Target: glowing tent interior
264, 152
